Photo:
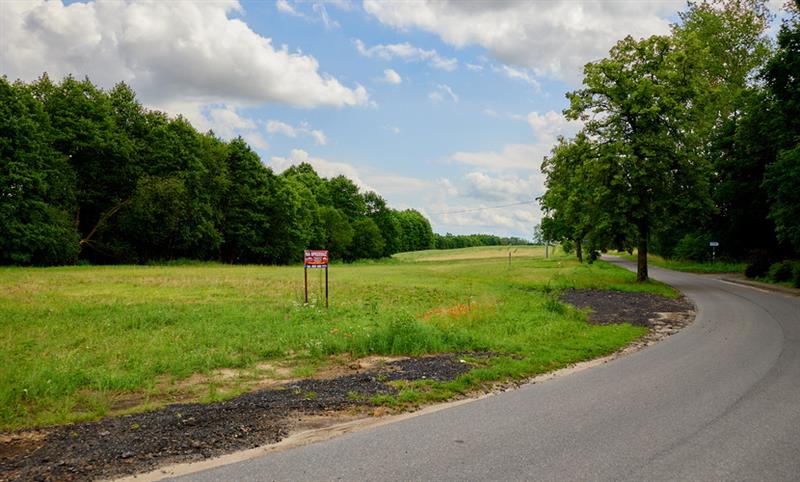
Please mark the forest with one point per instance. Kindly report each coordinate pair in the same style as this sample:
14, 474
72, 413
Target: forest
688, 138
92, 176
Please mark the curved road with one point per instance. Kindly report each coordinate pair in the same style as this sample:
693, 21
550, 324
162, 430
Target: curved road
719, 400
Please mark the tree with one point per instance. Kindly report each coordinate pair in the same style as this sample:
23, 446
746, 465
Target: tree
37, 196
246, 222
385, 220
367, 240
636, 104
726, 44
415, 231
782, 179
346, 197
338, 232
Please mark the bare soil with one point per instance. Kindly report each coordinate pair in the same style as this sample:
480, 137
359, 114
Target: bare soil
190, 432
130, 444
609, 306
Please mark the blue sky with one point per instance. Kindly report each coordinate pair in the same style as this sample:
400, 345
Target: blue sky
443, 107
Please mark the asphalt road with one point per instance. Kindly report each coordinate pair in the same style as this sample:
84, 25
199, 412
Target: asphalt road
720, 400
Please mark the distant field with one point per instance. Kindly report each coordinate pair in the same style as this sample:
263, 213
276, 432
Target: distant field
83, 342
483, 252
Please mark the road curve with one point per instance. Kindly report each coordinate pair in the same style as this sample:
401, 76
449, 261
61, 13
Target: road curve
720, 400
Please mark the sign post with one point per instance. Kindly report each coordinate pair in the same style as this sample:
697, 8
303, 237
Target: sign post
713, 245
315, 258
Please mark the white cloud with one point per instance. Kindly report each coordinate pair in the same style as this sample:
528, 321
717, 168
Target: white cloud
324, 168
407, 52
519, 74
553, 38
441, 91
548, 126
284, 6
516, 157
172, 53
392, 77
274, 127
278, 127
505, 187
475, 67
319, 137
392, 129
448, 187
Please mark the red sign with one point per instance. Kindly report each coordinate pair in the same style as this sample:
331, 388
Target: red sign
316, 258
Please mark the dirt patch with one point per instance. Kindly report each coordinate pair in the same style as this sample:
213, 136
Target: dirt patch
640, 309
136, 443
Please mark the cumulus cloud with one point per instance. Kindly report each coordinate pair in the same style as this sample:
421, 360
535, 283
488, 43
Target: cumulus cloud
278, 127
505, 187
548, 126
552, 38
171, 53
407, 52
392, 77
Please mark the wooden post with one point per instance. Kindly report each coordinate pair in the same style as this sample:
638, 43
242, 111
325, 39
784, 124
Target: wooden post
305, 276
326, 287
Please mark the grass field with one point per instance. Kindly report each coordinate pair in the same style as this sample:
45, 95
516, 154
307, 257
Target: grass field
80, 343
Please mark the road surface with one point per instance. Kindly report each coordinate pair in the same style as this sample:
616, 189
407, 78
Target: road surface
720, 400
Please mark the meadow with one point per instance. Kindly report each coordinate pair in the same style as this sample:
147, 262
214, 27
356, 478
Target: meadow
83, 342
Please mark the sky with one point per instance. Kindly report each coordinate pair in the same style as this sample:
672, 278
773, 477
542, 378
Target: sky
447, 107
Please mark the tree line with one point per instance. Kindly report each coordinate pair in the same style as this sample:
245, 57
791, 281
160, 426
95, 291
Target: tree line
687, 138
455, 241
91, 175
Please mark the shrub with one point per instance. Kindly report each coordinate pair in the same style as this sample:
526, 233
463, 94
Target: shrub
692, 247
757, 265
796, 275
781, 271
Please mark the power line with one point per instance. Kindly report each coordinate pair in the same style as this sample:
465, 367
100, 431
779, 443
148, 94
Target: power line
483, 209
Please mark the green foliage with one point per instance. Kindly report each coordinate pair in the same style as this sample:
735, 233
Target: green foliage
415, 231
37, 193
695, 132
692, 247
781, 271
92, 174
367, 240
453, 241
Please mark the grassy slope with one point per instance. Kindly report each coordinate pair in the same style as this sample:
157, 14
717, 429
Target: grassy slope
74, 341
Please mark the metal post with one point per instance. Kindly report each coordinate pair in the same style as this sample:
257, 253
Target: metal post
305, 276
326, 287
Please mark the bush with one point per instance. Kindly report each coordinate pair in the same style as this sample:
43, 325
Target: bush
796, 275
758, 265
692, 247
782, 271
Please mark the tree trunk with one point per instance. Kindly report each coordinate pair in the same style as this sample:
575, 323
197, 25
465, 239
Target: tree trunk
641, 266
579, 250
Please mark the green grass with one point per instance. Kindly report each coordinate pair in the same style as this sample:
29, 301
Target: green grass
80, 343
690, 266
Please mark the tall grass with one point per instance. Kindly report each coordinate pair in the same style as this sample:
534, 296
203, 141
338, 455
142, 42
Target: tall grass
74, 341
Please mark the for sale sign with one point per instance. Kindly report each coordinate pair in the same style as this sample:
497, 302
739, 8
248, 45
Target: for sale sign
316, 258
